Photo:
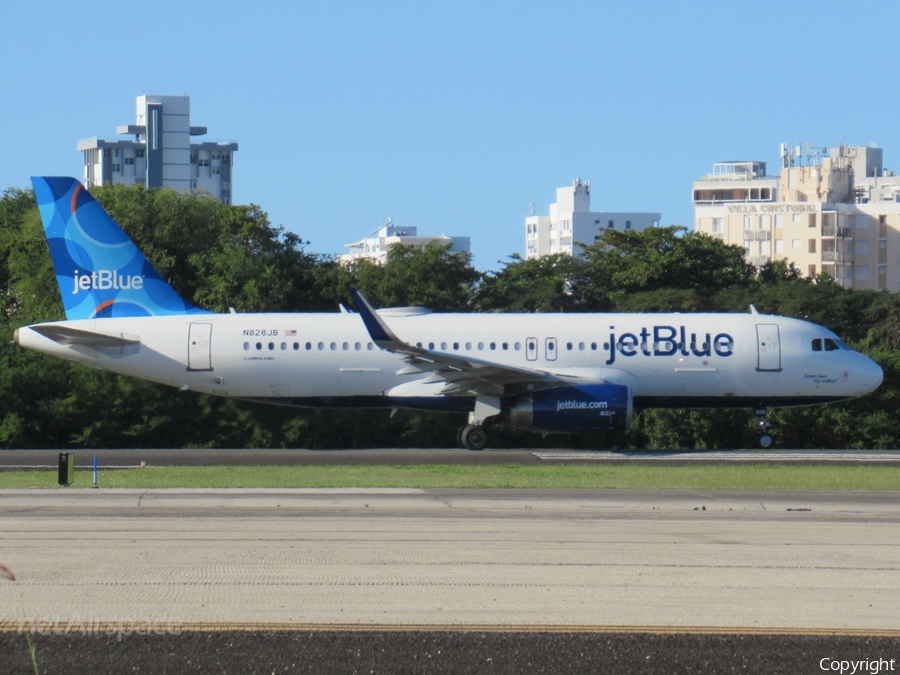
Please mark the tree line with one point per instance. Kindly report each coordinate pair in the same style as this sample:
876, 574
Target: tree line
222, 257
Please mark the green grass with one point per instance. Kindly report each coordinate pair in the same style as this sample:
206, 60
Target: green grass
732, 476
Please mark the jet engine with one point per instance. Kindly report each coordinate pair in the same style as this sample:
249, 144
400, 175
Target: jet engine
591, 407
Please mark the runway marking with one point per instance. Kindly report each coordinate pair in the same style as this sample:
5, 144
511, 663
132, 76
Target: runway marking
111, 627
721, 456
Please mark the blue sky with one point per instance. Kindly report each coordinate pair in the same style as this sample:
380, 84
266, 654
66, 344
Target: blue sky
454, 116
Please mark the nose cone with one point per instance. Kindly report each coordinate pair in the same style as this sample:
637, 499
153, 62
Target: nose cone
869, 375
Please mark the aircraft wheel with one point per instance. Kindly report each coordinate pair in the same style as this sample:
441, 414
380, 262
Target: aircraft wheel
765, 441
459, 437
473, 437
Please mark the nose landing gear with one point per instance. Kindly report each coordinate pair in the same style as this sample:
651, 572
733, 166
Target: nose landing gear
762, 428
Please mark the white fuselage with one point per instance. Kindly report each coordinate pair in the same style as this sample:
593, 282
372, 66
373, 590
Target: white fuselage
669, 360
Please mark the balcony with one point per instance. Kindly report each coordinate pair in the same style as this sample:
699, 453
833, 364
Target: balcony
836, 231
836, 257
756, 235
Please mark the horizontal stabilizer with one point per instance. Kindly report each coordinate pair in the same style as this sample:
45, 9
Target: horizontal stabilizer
65, 335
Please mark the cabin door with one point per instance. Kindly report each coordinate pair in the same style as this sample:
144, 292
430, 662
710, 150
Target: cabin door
768, 346
199, 355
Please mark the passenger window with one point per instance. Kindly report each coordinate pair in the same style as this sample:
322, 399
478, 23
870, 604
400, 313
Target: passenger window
419, 345
430, 345
370, 346
455, 346
581, 346
468, 346
817, 345
480, 345
505, 345
831, 345
259, 345
321, 345
283, 346
357, 346
493, 345
517, 346
594, 346
345, 346
308, 346
271, 345
569, 346
444, 346
333, 346
296, 346
246, 346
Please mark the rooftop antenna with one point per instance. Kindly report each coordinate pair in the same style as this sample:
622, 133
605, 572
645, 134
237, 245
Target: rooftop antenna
532, 208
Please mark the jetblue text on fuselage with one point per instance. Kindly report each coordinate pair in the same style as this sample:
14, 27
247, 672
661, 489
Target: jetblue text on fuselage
581, 405
103, 280
668, 341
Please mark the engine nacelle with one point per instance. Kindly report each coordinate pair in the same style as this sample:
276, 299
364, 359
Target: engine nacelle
591, 407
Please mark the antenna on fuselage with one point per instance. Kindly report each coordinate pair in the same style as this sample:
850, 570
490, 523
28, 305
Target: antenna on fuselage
753, 309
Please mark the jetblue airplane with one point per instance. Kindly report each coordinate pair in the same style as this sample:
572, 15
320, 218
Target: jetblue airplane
547, 372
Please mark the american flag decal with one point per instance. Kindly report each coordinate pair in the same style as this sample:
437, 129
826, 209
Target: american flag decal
290, 333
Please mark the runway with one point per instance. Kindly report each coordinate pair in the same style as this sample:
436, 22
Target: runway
426, 558
447, 581
10, 459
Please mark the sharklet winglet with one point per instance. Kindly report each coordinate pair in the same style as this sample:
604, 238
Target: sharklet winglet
378, 329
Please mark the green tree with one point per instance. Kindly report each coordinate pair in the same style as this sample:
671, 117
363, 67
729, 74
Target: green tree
542, 284
431, 277
661, 258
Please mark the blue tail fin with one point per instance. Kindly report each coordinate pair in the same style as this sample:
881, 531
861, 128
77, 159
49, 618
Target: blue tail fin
101, 273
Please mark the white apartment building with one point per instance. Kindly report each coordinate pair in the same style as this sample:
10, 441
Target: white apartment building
832, 210
161, 153
571, 222
376, 245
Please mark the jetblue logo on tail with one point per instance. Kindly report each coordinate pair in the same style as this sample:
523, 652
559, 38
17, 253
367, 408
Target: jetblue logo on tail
105, 280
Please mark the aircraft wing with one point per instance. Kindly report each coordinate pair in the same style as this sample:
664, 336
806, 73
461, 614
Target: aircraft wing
66, 335
463, 375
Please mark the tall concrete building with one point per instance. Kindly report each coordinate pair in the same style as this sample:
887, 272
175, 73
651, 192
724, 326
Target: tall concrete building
571, 221
832, 210
161, 153
375, 246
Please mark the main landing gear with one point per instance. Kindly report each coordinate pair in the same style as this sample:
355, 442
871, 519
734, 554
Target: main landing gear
472, 437
762, 428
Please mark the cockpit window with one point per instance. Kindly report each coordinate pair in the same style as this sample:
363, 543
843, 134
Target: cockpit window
828, 344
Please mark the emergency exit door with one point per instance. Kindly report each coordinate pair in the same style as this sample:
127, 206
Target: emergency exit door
531, 349
199, 356
550, 349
